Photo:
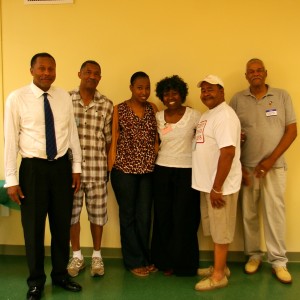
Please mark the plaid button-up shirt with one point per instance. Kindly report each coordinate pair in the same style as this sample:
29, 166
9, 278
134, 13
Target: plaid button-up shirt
94, 129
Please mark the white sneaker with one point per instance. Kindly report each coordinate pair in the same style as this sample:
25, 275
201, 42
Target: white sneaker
207, 272
207, 284
75, 266
97, 267
252, 265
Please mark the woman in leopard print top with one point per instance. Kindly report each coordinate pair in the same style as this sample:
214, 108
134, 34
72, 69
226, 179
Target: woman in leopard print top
131, 175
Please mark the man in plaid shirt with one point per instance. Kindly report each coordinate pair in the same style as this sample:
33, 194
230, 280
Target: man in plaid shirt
93, 115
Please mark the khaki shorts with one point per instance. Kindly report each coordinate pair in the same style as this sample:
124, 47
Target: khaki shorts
219, 222
95, 194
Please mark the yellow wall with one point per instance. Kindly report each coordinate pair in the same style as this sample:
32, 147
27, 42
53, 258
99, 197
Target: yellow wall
190, 38
1, 100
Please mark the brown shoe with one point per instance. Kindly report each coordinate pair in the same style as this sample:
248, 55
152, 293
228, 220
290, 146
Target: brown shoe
151, 268
253, 265
169, 272
140, 272
282, 274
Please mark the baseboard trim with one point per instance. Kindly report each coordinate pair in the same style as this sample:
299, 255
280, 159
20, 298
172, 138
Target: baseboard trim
86, 251
205, 255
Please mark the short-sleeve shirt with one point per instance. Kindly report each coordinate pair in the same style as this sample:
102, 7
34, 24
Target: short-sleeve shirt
94, 129
176, 139
136, 143
263, 122
218, 128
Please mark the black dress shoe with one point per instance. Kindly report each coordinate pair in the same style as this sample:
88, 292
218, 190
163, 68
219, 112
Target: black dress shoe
68, 285
34, 293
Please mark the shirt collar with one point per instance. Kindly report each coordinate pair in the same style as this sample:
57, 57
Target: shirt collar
219, 106
38, 92
270, 92
98, 97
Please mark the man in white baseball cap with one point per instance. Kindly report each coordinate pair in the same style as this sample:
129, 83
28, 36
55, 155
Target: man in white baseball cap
212, 79
216, 172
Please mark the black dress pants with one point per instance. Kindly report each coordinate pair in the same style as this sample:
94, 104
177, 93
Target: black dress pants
47, 187
176, 221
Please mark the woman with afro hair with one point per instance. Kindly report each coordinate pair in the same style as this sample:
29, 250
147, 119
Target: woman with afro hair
175, 247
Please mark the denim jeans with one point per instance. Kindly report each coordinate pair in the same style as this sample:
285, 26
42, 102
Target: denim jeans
134, 196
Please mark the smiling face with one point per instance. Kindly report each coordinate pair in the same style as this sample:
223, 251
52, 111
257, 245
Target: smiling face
43, 72
256, 73
90, 76
140, 89
211, 94
172, 99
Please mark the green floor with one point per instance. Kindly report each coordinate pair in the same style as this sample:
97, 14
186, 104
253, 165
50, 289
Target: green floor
117, 283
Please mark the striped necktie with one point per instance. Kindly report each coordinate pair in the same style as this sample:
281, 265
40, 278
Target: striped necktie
51, 149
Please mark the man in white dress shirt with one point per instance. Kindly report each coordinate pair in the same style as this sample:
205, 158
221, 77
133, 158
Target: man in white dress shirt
45, 185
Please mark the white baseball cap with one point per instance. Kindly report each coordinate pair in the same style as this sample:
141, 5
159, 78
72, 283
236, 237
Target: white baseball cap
212, 79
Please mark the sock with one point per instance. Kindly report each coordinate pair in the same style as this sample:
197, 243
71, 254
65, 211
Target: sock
96, 253
77, 254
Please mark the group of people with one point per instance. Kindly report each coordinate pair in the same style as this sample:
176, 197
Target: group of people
155, 159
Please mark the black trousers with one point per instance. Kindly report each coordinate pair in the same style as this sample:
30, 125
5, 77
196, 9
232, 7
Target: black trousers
47, 187
134, 195
176, 221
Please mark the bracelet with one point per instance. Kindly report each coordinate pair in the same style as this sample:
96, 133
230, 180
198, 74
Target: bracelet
217, 191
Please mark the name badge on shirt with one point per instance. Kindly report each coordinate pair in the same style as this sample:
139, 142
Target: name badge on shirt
271, 112
200, 132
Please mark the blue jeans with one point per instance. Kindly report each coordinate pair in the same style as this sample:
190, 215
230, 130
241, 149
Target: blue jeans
134, 196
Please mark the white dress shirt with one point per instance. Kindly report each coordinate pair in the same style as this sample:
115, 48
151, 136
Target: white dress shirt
24, 128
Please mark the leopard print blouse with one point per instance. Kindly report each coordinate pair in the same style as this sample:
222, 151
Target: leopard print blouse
136, 143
